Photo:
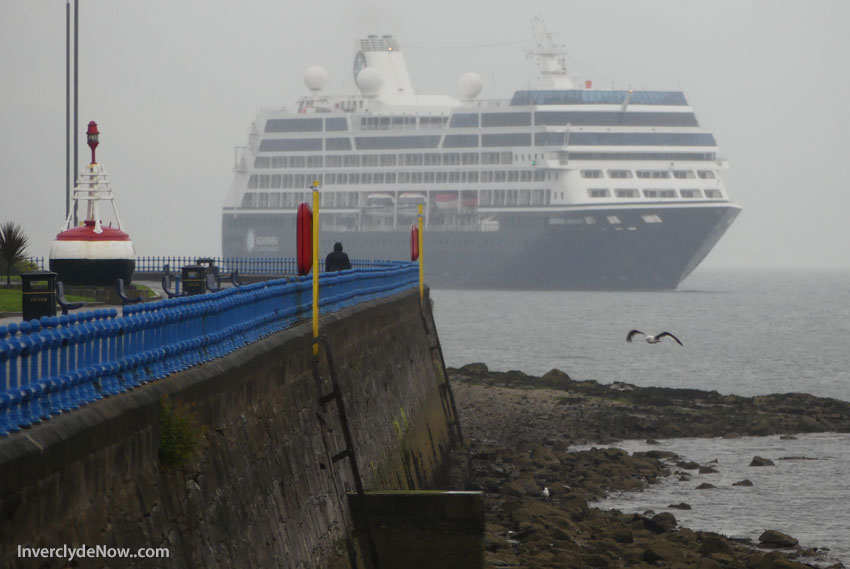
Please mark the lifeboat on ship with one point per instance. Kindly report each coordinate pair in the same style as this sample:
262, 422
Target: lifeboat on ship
92, 253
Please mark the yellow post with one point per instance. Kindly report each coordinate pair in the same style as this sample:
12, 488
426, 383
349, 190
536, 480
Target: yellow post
421, 269
315, 265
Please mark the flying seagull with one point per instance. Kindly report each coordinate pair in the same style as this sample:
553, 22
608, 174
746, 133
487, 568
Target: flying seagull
652, 339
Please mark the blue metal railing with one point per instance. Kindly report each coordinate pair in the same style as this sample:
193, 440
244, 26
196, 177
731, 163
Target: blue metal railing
58, 364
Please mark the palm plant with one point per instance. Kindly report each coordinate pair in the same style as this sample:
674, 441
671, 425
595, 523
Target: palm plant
13, 247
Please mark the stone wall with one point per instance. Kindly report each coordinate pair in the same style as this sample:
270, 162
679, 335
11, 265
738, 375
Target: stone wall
262, 490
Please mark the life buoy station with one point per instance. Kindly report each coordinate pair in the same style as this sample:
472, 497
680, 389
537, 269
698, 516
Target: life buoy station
92, 253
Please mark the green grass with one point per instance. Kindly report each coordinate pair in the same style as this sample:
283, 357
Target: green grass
10, 299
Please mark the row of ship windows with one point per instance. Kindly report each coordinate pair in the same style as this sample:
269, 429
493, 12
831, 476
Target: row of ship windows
483, 198
654, 174
657, 193
275, 181
489, 140
391, 160
474, 120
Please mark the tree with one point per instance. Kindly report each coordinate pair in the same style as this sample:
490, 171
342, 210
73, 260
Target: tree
13, 247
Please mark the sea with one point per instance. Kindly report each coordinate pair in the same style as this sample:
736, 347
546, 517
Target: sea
745, 332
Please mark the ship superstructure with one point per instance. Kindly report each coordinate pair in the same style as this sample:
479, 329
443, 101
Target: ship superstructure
556, 188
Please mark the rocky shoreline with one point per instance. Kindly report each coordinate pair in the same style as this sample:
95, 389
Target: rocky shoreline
520, 429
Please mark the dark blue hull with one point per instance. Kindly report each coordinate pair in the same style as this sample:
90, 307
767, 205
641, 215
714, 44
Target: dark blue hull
601, 249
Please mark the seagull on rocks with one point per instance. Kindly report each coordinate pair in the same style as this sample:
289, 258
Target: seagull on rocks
545, 493
652, 339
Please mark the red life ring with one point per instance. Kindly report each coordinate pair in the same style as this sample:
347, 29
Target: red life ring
304, 238
414, 243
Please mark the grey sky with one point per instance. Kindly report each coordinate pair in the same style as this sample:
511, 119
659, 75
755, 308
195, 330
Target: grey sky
174, 87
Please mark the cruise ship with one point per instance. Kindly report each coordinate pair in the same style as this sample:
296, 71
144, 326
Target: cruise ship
560, 187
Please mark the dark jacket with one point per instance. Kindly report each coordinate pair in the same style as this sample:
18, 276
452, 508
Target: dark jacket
337, 260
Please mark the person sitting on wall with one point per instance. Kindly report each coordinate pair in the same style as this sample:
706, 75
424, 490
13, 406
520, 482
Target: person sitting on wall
337, 260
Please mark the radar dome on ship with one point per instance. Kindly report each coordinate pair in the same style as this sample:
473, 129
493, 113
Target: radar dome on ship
369, 81
315, 77
469, 85
93, 253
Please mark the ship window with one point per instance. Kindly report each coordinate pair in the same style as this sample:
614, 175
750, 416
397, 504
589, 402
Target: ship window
659, 193
432, 122
626, 193
388, 160
613, 118
489, 157
464, 120
403, 177
487, 176
599, 193
513, 176
506, 119
591, 173
336, 123
412, 159
342, 178
369, 160
315, 161
469, 158
620, 173
669, 156
643, 138
378, 178
338, 144
592, 97
499, 176
539, 175
651, 218
261, 162
506, 158
287, 181
416, 177
391, 142
428, 177
653, 174
549, 139
290, 144
706, 174
297, 161
442, 177
454, 177
506, 139
366, 178
330, 179
525, 176
472, 177
351, 161
683, 174
278, 161
275, 181
333, 161
389, 177
713, 194
294, 125
353, 178
451, 158
460, 141
690, 193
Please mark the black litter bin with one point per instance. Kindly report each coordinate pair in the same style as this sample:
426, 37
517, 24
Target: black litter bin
38, 289
194, 279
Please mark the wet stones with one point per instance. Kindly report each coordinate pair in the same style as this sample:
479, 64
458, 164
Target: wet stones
759, 461
773, 538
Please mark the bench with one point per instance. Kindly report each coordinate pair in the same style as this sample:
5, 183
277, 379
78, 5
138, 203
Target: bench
125, 300
64, 304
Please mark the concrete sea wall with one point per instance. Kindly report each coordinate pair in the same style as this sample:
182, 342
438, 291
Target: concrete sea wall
261, 489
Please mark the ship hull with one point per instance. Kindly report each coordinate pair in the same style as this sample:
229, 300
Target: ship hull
573, 249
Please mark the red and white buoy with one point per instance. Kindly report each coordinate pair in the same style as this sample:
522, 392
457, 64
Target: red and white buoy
91, 253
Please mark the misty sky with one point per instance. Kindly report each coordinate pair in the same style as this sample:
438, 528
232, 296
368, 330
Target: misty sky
174, 87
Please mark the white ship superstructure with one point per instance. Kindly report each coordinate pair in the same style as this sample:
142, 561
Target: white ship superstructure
598, 189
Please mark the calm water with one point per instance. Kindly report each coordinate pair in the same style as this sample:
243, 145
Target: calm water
744, 332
